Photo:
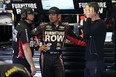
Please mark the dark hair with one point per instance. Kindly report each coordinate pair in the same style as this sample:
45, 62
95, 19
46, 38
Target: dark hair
95, 6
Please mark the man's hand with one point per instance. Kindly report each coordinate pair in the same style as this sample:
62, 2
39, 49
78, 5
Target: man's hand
43, 48
43, 25
33, 70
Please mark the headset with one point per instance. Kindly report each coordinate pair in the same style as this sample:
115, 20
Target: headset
24, 12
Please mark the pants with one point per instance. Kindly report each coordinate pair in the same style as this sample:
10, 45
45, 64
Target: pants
23, 62
94, 69
51, 65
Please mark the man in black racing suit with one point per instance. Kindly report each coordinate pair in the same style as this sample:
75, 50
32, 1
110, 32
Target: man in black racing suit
54, 35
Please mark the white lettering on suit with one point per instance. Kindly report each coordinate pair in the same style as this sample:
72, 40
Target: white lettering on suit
52, 36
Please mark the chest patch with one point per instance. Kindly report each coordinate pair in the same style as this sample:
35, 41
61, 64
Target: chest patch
54, 36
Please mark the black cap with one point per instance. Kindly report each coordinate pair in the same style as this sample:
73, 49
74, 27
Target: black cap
28, 10
54, 10
25, 11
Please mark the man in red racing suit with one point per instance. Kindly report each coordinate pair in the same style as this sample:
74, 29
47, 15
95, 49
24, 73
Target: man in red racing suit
53, 37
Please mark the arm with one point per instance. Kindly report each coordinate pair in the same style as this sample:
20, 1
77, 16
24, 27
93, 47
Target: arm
87, 28
75, 39
38, 29
28, 56
25, 39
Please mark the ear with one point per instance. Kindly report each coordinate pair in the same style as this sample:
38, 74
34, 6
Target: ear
59, 17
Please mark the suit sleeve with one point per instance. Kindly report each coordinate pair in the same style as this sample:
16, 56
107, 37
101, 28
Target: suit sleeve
25, 36
36, 31
75, 39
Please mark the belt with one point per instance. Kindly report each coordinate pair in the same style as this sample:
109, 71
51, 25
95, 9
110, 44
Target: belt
52, 52
55, 52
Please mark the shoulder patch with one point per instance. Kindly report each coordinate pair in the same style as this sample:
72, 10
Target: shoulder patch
48, 27
61, 27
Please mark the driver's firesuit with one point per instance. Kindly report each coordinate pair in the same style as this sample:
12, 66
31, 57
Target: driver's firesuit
51, 62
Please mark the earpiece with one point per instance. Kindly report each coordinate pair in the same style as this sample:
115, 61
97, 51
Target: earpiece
23, 15
25, 11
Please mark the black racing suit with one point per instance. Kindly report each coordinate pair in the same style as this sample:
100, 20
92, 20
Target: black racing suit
21, 36
54, 37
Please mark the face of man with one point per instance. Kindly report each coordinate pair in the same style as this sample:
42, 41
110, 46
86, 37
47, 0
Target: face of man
54, 18
86, 10
30, 16
89, 12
